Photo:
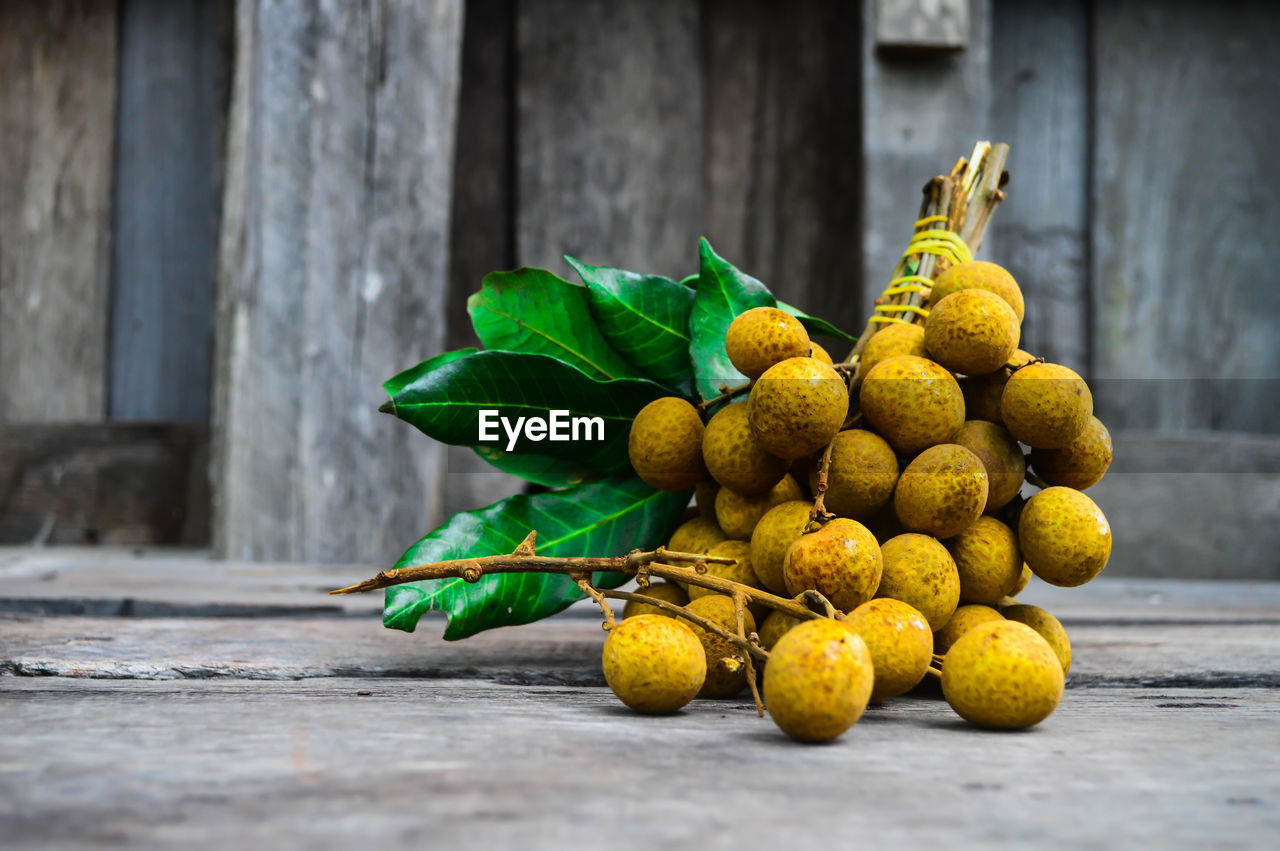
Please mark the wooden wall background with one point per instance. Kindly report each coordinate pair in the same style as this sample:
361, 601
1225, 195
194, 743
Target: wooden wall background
223, 223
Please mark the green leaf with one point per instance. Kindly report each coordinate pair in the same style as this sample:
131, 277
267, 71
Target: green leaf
815, 326
536, 312
723, 292
605, 518
645, 318
443, 397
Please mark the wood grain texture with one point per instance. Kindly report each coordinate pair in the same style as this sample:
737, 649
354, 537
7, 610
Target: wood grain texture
1040, 106
920, 113
783, 130
109, 483
334, 262
57, 126
174, 64
609, 117
922, 24
1185, 175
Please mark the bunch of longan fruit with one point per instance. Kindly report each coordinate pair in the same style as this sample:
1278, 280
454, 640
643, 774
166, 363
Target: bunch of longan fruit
904, 511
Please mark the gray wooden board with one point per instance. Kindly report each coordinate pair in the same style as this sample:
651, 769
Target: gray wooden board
783, 179
1186, 294
1040, 106
608, 134
469, 764
57, 128
922, 24
920, 113
114, 483
173, 74
334, 261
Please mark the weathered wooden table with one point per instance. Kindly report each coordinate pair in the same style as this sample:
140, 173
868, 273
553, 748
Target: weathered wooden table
152, 698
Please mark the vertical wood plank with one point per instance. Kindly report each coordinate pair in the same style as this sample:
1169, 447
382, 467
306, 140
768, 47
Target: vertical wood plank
783, 132
609, 120
334, 262
1040, 106
172, 73
1186, 289
919, 113
57, 126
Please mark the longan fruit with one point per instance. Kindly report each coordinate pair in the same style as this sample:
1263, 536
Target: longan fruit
1049, 628
900, 642
895, 338
942, 491
1080, 464
971, 331
988, 560
841, 561
738, 514
913, 402
668, 592
796, 407
763, 336
653, 664
777, 530
1065, 537
966, 617
1046, 405
1002, 675
665, 444
862, 475
734, 457
981, 275
726, 667
1002, 457
818, 680
920, 572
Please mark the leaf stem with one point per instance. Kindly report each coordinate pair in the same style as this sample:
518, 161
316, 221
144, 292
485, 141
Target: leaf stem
726, 393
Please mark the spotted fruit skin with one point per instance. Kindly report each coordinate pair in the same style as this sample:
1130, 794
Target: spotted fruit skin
762, 336
913, 402
1002, 675
981, 275
666, 591
982, 392
738, 513
653, 664
665, 444
920, 572
739, 571
1049, 628
797, 406
989, 561
775, 625
841, 561
942, 491
890, 341
862, 474
1002, 457
734, 457
781, 526
695, 535
1045, 405
1065, 537
726, 669
1080, 464
971, 331
966, 617
900, 642
818, 680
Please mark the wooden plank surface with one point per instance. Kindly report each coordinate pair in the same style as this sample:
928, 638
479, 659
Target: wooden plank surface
334, 264
922, 24
174, 64
783, 180
1186, 292
109, 483
920, 113
609, 142
57, 126
1040, 106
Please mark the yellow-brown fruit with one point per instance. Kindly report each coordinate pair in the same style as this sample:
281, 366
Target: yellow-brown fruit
1065, 537
1081, 463
696, 535
818, 353
942, 491
1048, 627
781, 526
1002, 675
666, 591
774, 626
740, 571
913, 402
971, 331
895, 338
1046, 405
796, 407
665, 444
653, 664
734, 457
982, 392
818, 680
988, 560
979, 275
900, 642
704, 497
738, 514
1002, 458
920, 572
841, 561
965, 618
862, 475
1023, 578
762, 336
726, 664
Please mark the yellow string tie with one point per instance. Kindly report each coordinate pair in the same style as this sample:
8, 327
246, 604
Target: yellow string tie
944, 243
